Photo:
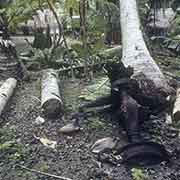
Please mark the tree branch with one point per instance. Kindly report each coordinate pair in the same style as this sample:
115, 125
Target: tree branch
61, 34
43, 173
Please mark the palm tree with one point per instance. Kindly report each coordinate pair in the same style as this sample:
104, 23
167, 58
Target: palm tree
9, 64
135, 51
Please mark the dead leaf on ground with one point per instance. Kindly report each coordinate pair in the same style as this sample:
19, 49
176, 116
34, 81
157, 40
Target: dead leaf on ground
48, 143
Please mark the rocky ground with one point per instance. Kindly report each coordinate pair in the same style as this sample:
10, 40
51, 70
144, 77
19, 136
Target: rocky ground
72, 156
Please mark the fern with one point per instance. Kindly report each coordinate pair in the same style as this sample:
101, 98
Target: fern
138, 174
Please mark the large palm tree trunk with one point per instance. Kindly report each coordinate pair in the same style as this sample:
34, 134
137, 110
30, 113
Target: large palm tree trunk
9, 64
135, 52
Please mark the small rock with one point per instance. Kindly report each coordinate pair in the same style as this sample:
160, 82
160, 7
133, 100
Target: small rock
70, 128
39, 120
109, 158
104, 144
69, 137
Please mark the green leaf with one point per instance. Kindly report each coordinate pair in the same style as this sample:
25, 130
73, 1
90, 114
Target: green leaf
100, 87
2, 11
5, 146
138, 174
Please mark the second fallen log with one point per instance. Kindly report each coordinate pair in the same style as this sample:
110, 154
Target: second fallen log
51, 102
6, 91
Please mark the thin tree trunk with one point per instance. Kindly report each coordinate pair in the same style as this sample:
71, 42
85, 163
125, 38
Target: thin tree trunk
61, 35
135, 52
82, 12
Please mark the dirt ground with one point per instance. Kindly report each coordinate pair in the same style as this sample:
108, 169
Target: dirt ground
72, 156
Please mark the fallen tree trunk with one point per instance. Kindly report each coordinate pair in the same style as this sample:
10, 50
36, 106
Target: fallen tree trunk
176, 110
51, 102
135, 52
95, 67
6, 91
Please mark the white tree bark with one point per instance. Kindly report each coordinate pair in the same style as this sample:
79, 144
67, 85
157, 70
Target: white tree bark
135, 52
6, 91
51, 102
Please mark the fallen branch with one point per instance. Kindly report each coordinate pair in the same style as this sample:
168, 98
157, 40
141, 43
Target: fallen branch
43, 173
100, 86
80, 67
